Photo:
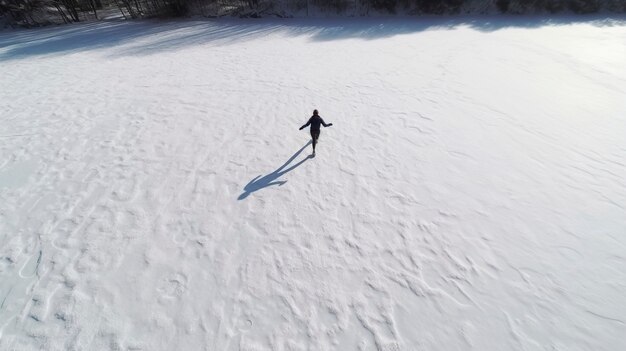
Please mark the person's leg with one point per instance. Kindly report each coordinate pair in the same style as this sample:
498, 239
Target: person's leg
314, 136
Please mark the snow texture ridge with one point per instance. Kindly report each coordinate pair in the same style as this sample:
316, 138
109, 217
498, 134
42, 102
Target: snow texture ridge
156, 194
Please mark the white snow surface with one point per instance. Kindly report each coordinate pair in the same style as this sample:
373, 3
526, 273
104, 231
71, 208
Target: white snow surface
156, 193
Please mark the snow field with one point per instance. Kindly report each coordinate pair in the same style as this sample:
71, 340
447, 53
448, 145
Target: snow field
156, 193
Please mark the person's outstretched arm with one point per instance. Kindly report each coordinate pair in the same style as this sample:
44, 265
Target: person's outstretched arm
326, 125
307, 123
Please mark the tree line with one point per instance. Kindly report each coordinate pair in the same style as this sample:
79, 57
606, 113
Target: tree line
41, 12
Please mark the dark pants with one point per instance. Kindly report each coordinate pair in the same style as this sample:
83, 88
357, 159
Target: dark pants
314, 135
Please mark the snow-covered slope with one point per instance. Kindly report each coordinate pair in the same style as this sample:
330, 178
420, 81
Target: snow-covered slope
156, 193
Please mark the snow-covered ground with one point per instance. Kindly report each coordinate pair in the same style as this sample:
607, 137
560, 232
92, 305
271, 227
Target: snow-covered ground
156, 193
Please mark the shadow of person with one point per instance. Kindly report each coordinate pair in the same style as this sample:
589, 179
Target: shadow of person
259, 182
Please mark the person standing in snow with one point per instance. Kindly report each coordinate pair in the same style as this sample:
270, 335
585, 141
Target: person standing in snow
315, 122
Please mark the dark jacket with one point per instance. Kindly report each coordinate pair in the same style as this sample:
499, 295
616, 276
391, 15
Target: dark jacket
315, 122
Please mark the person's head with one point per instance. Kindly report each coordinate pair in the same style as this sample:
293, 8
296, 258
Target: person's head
315, 113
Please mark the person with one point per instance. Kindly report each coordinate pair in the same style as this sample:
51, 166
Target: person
315, 122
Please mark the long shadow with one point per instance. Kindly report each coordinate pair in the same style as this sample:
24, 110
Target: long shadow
139, 38
259, 182
77, 37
